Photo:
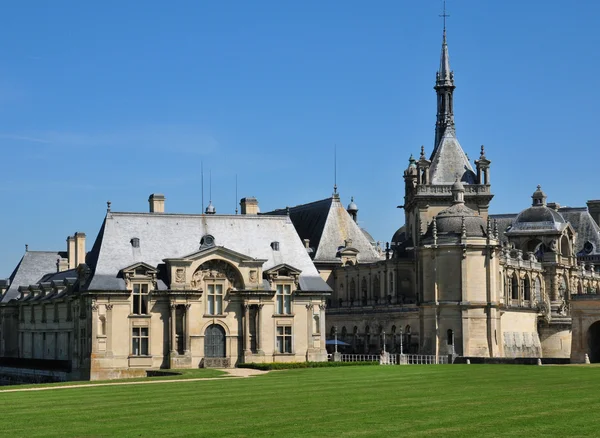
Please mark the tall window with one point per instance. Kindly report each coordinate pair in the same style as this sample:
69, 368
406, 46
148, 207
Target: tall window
139, 339
284, 339
140, 299
215, 299
284, 299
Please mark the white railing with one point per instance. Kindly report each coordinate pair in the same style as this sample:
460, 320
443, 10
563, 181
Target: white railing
422, 359
397, 359
360, 358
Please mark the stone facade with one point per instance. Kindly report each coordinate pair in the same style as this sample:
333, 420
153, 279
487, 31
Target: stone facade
144, 299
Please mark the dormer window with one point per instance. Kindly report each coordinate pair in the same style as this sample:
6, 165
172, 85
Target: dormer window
275, 246
207, 241
135, 242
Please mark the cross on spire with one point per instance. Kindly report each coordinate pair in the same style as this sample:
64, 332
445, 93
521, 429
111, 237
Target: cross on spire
444, 15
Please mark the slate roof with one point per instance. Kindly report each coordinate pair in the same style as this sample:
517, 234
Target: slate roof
504, 221
165, 235
449, 162
586, 227
327, 225
31, 269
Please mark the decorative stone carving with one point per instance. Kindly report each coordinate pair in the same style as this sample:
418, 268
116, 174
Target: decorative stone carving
253, 276
215, 269
180, 275
109, 306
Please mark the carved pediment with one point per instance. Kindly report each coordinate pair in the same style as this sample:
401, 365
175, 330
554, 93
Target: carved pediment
219, 251
216, 269
140, 268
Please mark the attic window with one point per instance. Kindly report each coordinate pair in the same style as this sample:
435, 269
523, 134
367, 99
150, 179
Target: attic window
135, 242
275, 246
588, 247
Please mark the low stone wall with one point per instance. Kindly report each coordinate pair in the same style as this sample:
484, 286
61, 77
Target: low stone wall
20, 376
513, 360
117, 373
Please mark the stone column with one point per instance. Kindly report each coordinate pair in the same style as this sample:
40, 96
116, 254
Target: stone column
322, 325
109, 332
94, 324
187, 338
247, 349
173, 327
259, 339
309, 324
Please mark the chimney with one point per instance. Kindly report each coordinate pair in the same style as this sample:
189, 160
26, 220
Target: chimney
157, 203
79, 248
306, 243
554, 205
71, 252
594, 209
249, 205
62, 264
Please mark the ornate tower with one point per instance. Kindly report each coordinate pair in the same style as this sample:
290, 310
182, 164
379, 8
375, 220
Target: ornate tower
428, 187
444, 88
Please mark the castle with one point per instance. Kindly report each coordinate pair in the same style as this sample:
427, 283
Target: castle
160, 290
457, 280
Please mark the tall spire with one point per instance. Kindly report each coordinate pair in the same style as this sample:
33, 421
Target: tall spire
444, 87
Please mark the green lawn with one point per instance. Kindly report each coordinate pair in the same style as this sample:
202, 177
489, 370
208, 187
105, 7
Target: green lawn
378, 401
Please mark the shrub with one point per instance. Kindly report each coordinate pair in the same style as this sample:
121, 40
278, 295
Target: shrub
294, 365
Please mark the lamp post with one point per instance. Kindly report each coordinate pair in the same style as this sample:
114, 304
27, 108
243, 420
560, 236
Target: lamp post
401, 336
383, 341
335, 334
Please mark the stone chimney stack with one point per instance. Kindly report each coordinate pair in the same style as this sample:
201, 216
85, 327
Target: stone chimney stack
249, 206
79, 248
71, 252
157, 203
594, 209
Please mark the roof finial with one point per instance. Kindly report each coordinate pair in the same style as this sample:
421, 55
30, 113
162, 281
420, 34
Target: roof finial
108, 203
422, 157
26, 247
236, 195
335, 169
482, 156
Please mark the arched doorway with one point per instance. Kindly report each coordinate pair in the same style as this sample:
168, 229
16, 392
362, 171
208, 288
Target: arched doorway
594, 342
214, 341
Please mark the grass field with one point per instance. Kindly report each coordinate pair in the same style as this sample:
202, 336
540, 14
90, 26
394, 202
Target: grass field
378, 401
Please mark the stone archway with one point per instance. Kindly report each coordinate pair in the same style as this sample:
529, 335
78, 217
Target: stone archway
594, 342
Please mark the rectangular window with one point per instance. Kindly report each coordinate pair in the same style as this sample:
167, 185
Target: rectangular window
214, 299
139, 339
284, 339
284, 299
140, 299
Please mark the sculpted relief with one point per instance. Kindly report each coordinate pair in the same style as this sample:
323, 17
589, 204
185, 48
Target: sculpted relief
214, 270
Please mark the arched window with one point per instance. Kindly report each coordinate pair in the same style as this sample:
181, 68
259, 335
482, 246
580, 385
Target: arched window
376, 287
565, 246
514, 287
363, 290
352, 290
538, 290
526, 289
344, 333
392, 291
450, 334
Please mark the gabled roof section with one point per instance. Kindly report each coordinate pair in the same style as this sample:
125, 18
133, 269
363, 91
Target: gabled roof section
222, 251
31, 269
327, 225
283, 267
586, 227
449, 162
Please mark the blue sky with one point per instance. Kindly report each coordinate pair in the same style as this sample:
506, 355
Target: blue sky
119, 99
